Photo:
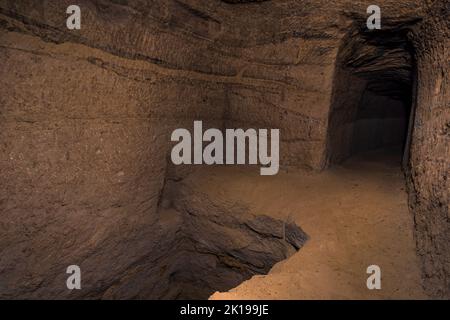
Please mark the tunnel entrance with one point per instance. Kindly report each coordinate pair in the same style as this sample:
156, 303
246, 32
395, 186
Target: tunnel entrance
372, 94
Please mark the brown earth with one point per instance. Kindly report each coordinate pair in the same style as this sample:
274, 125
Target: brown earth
356, 215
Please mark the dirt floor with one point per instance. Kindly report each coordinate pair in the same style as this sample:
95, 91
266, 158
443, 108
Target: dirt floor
355, 214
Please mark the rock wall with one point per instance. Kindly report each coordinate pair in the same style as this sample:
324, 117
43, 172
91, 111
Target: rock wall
86, 118
429, 164
221, 243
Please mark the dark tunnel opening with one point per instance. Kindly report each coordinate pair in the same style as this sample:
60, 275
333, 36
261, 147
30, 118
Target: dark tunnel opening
381, 122
372, 95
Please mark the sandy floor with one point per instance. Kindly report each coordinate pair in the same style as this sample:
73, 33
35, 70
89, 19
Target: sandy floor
356, 215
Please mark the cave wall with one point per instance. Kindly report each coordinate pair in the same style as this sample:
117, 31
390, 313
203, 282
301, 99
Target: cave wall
86, 118
289, 64
348, 93
429, 163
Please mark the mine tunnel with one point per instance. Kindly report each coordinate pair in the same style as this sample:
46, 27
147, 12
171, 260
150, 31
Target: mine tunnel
87, 115
373, 95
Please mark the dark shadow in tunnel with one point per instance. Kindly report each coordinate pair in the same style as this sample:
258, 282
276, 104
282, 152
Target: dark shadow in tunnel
372, 94
380, 122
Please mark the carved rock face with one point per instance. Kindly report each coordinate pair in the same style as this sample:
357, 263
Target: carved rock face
86, 119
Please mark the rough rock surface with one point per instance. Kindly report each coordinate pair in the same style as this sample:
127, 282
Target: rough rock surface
223, 243
86, 117
429, 162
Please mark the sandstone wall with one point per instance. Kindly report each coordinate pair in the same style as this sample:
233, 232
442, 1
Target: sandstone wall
429, 183
86, 118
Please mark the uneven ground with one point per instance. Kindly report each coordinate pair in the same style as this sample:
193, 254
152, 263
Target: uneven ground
355, 214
